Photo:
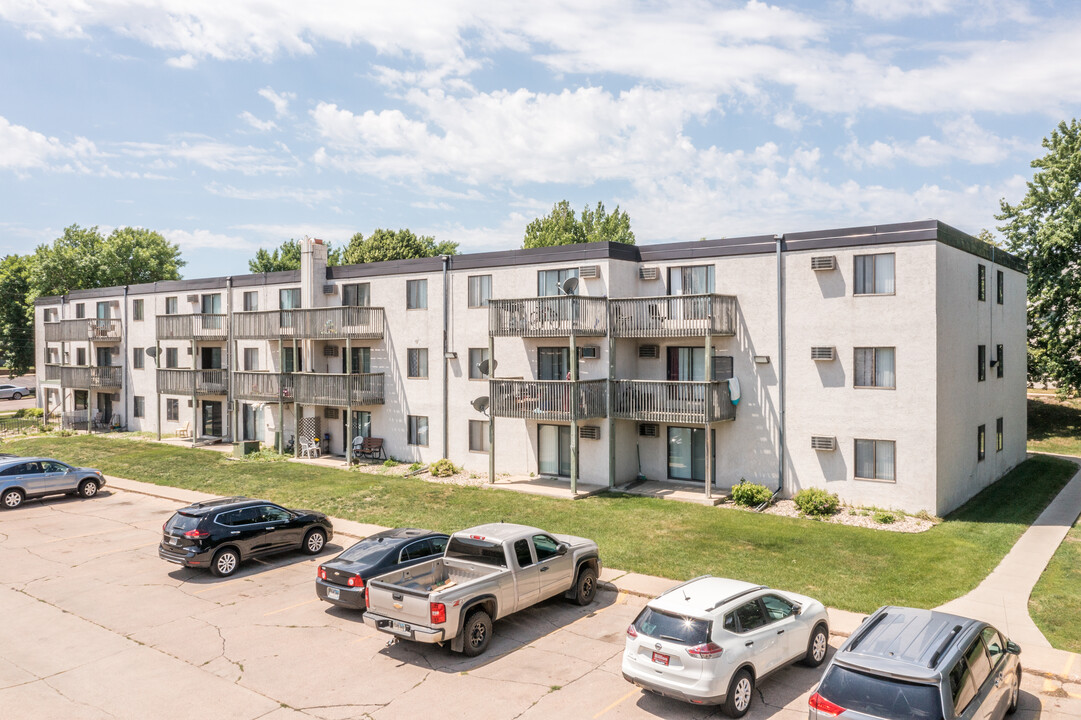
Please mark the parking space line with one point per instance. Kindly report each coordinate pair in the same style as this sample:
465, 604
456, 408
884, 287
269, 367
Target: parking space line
275, 612
617, 702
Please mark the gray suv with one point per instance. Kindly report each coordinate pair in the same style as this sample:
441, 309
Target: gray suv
903, 663
30, 477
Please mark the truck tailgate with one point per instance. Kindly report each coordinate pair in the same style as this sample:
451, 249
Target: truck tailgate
408, 606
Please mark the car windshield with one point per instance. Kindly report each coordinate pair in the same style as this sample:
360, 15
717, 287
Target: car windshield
480, 551
881, 696
180, 523
675, 628
369, 550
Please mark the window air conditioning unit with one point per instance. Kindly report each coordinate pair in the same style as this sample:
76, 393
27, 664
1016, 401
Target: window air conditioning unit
823, 352
114, 350
823, 442
824, 262
649, 429
114, 303
116, 397
589, 432
189, 350
648, 273
193, 298
330, 289
189, 403
330, 351
330, 413
589, 272
588, 352
649, 351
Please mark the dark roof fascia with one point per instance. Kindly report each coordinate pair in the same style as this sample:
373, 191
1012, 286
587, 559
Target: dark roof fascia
751, 245
963, 241
283, 277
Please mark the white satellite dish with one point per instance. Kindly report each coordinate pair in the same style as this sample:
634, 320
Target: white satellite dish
481, 404
483, 366
569, 285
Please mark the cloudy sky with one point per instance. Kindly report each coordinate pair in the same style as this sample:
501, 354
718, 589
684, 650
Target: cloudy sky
231, 125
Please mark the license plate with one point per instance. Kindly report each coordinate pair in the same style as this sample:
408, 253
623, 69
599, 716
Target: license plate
660, 658
399, 626
174, 541
333, 593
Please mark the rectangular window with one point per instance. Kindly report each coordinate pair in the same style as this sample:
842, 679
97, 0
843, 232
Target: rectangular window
138, 406
874, 274
1000, 289
553, 363
981, 442
480, 290
82, 399
289, 299
361, 360
80, 356
550, 282
998, 360
418, 363
875, 368
875, 460
416, 294
981, 359
981, 282
998, 435
138, 358
211, 304
478, 436
357, 295
251, 300
476, 357
170, 306
418, 430
80, 311
251, 359
692, 280
172, 358
102, 311
136, 309
172, 409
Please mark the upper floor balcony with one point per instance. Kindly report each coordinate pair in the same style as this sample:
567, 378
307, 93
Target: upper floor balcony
82, 377
338, 390
560, 400
263, 386
52, 372
674, 316
672, 401
174, 381
198, 326
83, 329
555, 316
332, 323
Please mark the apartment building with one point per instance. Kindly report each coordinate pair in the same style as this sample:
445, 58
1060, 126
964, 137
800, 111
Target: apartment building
886, 364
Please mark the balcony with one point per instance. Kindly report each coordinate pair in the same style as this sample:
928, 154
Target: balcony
560, 316
338, 390
192, 327
263, 386
674, 316
193, 382
548, 399
81, 377
82, 329
670, 401
52, 372
334, 323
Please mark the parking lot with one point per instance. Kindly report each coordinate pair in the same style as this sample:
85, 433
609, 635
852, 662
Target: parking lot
95, 625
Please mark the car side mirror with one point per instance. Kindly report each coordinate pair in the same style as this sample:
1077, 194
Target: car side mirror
1013, 648
797, 609
561, 549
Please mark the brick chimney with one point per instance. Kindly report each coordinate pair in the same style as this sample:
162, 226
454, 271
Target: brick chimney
313, 272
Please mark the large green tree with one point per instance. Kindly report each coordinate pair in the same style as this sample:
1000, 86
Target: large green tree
1044, 228
394, 245
16, 315
287, 257
562, 227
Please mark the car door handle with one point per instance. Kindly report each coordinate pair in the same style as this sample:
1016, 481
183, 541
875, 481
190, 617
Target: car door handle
235, 532
270, 528
749, 643
998, 680
544, 569
780, 632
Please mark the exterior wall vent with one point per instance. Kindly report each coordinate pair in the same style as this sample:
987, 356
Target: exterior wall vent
649, 429
589, 352
193, 298
330, 289
330, 413
116, 397
823, 442
589, 272
649, 351
589, 432
823, 262
648, 273
823, 352
330, 351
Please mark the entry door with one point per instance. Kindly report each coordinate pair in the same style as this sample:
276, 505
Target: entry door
686, 363
687, 453
554, 450
105, 406
288, 364
211, 418
104, 356
362, 425
553, 363
361, 360
211, 357
251, 425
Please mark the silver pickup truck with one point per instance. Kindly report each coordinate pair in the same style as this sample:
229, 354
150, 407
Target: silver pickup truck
486, 573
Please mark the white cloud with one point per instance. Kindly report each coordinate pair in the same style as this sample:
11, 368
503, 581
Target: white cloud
894, 9
184, 62
190, 240
23, 149
260, 125
304, 196
280, 101
218, 156
963, 140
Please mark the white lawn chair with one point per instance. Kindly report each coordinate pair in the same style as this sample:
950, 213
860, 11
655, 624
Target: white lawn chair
308, 448
184, 431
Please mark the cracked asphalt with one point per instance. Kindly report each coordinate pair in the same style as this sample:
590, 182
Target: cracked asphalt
95, 625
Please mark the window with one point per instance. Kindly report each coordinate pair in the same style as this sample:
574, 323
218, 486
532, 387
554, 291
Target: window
80, 311
981, 359
416, 294
874, 274
522, 554
550, 282
750, 616
357, 295
274, 514
211, 304
480, 290
82, 399
981, 442
360, 360
138, 406
251, 359
880, 696
875, 460
415, 551
967, 676
172, 409
170, 306
678, 628
289, 299
996, 648
553, 363
136, 309
1000, 289
138, 358
80, 356
172, 357
418, 430
776, 608
694, 280
478, 436
998, 360
418, 362
875, 368
998, 435
476, 357
546, 547
251, 301
981, 282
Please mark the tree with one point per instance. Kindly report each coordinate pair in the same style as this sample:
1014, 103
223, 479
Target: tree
287, 257
1045, 230
394, 245
16, 315
137, 255
561, 227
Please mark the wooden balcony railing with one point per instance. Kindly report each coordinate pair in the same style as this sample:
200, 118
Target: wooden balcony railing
559, 316
674, 316
670, 401
356, 323
192, 327
339, 390
198, 382
75, 376
96, 329
52, 372
548, 399
263, 386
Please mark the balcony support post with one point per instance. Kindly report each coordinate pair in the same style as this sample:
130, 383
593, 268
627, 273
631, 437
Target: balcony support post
348, 365
296, 405
194, 383
157, 387
574, 412
491, 405
708, 371
281, 414
608, 402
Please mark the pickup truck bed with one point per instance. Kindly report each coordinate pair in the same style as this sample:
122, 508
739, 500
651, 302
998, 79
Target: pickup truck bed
424, 577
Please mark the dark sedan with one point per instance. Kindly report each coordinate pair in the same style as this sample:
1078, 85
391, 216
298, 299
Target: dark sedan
341, 580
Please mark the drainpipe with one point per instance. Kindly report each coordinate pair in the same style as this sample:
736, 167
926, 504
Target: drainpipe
123, 356
780, 370
230, 367
446, 348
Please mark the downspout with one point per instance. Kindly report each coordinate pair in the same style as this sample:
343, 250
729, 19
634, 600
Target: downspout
780, 371
124, 386
230, 359
446, 348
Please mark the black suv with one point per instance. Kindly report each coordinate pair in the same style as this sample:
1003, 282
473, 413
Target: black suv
219, 534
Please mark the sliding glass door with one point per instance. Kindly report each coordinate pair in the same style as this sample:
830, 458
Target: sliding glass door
554, 450
687, 453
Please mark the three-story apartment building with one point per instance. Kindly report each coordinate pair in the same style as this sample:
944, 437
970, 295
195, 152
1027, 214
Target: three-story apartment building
885, 363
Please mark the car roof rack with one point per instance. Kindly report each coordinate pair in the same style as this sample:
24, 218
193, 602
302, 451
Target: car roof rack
219, 501
942, 647
862, 632
738, 595
683, 584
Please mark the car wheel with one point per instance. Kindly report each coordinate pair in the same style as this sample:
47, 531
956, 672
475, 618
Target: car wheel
817, 646
478, 633
1015, 696
586, 588
13, 499
88, 488
314, 541
17, 396
225, 562
739, 696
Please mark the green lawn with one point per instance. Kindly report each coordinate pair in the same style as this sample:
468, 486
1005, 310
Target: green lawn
1054, 425
845, 567
1055, 604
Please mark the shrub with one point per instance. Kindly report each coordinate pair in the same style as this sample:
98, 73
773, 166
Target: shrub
266, 454
884, 517
443, 468
816, 502
29, 413
390, 462
415, 466
750, 494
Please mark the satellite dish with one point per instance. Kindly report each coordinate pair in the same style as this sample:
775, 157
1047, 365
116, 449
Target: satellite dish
152, 351
569, 285
484, 365
481, 404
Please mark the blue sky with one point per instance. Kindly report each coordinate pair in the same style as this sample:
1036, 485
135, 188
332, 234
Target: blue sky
229, 126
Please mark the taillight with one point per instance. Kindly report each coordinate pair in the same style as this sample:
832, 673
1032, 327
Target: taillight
355, 581
824, 706
196, 534
631, 632
439, 613
322, 573
706, 651
367, 602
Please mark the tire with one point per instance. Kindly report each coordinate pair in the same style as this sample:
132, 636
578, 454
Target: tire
88, 488
585, 590
740, 694
17, 396
1015, 698
817, 646
315, 541
225, 562
478, 633
12, 498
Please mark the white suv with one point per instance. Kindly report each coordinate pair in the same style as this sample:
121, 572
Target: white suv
709, 640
